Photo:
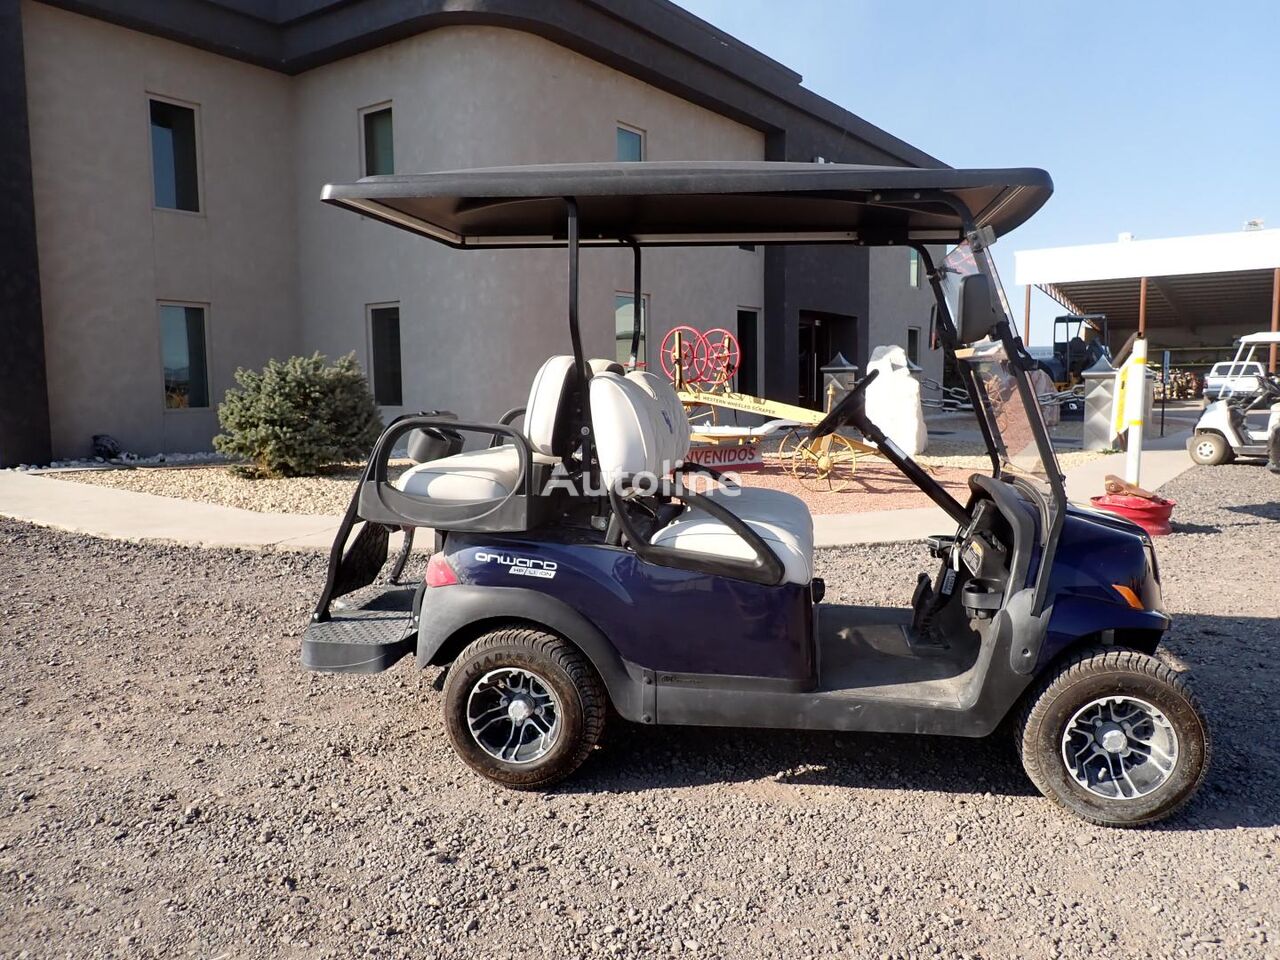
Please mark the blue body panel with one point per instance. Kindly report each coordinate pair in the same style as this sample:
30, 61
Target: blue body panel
687, 622
656, 617
1095, 551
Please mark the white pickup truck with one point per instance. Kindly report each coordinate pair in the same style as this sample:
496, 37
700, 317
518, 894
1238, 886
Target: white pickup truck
1232, 378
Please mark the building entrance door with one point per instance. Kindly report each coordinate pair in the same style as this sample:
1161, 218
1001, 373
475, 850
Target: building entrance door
821, 336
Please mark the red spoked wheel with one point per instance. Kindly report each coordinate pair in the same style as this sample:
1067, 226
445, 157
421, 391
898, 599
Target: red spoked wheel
692, 359
723, 355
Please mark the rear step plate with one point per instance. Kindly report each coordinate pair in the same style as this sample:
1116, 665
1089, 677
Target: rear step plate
364, 638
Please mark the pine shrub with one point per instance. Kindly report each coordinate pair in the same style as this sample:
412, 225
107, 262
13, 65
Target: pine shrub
298, 416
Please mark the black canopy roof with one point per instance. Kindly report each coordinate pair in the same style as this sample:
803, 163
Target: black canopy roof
698, 202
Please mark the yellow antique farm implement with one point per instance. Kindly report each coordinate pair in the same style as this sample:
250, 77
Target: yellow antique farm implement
702, 365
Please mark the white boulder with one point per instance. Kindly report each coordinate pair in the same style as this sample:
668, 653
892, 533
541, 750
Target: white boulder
893, 400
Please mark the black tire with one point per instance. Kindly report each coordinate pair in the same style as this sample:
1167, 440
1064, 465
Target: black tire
562, 669
1210, 449
1100, 672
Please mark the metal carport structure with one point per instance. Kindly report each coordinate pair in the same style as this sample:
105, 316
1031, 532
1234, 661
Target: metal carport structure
1183, 293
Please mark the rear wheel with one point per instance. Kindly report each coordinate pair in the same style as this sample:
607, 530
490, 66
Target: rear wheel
1210, 449
1116, 737
523, 708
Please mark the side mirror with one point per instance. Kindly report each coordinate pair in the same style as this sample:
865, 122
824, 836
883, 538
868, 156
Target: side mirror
978, 311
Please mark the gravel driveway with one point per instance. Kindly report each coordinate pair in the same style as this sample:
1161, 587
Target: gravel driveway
174, 785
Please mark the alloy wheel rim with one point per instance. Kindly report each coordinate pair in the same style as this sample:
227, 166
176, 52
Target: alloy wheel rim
513, 715
1119, 748
1206, 449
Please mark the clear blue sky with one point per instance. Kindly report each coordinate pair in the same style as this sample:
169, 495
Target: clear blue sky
1162, 119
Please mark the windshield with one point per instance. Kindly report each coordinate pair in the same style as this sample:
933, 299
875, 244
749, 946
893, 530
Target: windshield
1013, 421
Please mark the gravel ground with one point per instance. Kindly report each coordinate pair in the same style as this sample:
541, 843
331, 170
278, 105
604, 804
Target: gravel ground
172, 784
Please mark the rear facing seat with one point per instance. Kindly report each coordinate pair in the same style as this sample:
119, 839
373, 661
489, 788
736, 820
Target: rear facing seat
489, 474
492, 473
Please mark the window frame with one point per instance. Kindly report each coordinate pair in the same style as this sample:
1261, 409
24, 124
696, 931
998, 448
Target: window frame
757, 347
363, 156
919, 332
371, 366
646, 304
208, 355
639, 132
199, 138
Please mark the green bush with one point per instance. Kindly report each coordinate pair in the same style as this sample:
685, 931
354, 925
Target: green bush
299, 416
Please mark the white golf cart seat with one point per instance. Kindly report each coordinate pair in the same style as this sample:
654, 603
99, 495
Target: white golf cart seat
492, 473
757, 503
674, 432
698, 532
489, 474
636, 435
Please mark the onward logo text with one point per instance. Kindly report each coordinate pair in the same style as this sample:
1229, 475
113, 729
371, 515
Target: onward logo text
519, 566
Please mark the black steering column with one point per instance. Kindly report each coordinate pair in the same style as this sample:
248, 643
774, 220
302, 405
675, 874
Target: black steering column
852, 410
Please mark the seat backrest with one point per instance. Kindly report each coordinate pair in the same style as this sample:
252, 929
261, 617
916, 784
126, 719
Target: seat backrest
546, 414
601, 365
544, 420
623, 421
670, 421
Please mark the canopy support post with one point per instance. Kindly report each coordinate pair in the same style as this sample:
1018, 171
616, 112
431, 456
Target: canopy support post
1275, 315
571, 206
1026, 317
637, 305
1142, 308
575, 335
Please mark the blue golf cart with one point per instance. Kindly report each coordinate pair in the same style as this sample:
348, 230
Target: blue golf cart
580, 564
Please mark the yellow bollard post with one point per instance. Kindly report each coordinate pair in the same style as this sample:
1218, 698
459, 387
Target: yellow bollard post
1135, 402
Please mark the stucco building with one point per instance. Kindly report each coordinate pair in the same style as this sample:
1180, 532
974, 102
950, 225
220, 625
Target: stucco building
162, 165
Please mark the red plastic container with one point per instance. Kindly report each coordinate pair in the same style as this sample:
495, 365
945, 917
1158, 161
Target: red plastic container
1151, 515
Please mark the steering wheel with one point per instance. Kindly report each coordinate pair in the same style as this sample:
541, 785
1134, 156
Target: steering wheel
843, 411
1268, 392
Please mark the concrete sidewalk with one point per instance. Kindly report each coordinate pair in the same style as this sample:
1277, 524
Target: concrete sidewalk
125, 515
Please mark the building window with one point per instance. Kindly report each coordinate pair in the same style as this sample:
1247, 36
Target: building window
913, 345
379, 145
624, 326
630, 144
182, 349
915, 267
384, 338
173, 156
749, 360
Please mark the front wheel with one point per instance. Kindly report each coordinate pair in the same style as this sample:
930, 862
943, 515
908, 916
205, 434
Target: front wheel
1209, 449
523, 708
1115, 737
